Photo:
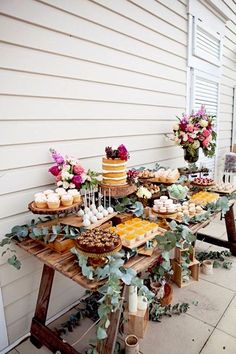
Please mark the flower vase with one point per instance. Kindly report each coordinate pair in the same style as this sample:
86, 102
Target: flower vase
191, 156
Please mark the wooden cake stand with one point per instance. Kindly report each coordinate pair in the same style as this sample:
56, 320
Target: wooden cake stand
98, 259
118, 191
61, 210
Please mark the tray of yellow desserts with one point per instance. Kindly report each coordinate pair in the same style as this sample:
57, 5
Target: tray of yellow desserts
135, 232
203, 198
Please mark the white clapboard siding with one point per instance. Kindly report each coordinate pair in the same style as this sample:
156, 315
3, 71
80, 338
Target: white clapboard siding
39, 152
227, 83
77, 76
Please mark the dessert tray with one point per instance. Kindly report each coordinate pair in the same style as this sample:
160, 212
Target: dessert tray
77, 221
48, 211
203, 198
164, 213
203, 182
223, 188
136, 232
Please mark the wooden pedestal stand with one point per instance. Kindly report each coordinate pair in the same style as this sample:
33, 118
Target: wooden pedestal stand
118, 191
136, 323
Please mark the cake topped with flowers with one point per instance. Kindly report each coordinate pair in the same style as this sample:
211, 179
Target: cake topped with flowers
114, 166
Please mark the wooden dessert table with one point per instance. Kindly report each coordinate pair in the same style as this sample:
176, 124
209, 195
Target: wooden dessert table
67, 264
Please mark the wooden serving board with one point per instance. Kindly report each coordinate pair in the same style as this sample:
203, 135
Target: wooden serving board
166, 214
77, 221
147, 251
203, 185
232, 190
69, 209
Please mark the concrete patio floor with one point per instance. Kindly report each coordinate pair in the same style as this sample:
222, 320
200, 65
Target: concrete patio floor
207, 328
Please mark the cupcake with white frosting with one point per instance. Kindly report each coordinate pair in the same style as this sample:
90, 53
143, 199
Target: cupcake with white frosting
66, 200
41, 201
53, 202
75, 194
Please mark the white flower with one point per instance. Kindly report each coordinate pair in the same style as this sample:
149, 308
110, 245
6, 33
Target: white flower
196, 144
59, 183
143, 193
66, 185
72, 186
185, 137
65, 175
203, 123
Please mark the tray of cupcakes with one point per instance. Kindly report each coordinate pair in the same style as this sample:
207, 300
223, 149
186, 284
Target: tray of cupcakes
164, 206
56, 202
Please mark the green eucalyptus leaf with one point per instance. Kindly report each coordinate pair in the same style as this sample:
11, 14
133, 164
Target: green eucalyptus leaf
52, 238
14, 261
5, 241
128, 276
101, 333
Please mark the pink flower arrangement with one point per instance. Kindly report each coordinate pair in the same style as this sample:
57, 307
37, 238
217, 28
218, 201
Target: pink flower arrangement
196, 131
68, 172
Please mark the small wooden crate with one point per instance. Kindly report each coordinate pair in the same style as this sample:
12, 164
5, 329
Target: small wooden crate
194, 268
136, 323
179, 252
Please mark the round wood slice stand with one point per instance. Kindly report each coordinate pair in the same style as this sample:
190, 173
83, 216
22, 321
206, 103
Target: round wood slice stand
118, 191
97, 259
61, 210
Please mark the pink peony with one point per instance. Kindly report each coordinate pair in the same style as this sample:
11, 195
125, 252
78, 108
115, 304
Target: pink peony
206, 142
206, 133
77, 180
78, 169
190, 139
54, 170
190, 128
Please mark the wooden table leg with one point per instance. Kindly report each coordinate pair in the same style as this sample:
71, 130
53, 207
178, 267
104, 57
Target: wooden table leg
231, 230
107, 346
40, 333
43, 301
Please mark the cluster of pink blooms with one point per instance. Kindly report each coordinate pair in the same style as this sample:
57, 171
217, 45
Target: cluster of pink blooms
196, 131
68, 172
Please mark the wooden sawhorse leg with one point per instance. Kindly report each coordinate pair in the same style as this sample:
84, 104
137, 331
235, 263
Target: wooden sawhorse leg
231, 230
40, 333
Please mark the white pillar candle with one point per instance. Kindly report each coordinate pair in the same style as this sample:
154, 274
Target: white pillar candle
142, 303
133, 299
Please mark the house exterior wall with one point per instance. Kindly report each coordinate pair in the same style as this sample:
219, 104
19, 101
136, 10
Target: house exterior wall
228, 81
76, 76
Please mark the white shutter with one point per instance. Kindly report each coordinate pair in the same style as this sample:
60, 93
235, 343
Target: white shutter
207, 43
205, 91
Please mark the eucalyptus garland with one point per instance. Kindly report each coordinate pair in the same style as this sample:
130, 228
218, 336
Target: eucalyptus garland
114, 274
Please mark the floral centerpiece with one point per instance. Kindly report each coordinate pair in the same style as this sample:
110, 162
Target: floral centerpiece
120, 153
196, 131
69, 173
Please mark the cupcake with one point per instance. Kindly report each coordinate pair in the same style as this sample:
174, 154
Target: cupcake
60, 191
163, 209
76, 195
41, 201
66, 200
53, 202
47, 192
40, 194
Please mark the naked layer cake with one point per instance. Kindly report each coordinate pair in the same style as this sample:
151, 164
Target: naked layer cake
114, 166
